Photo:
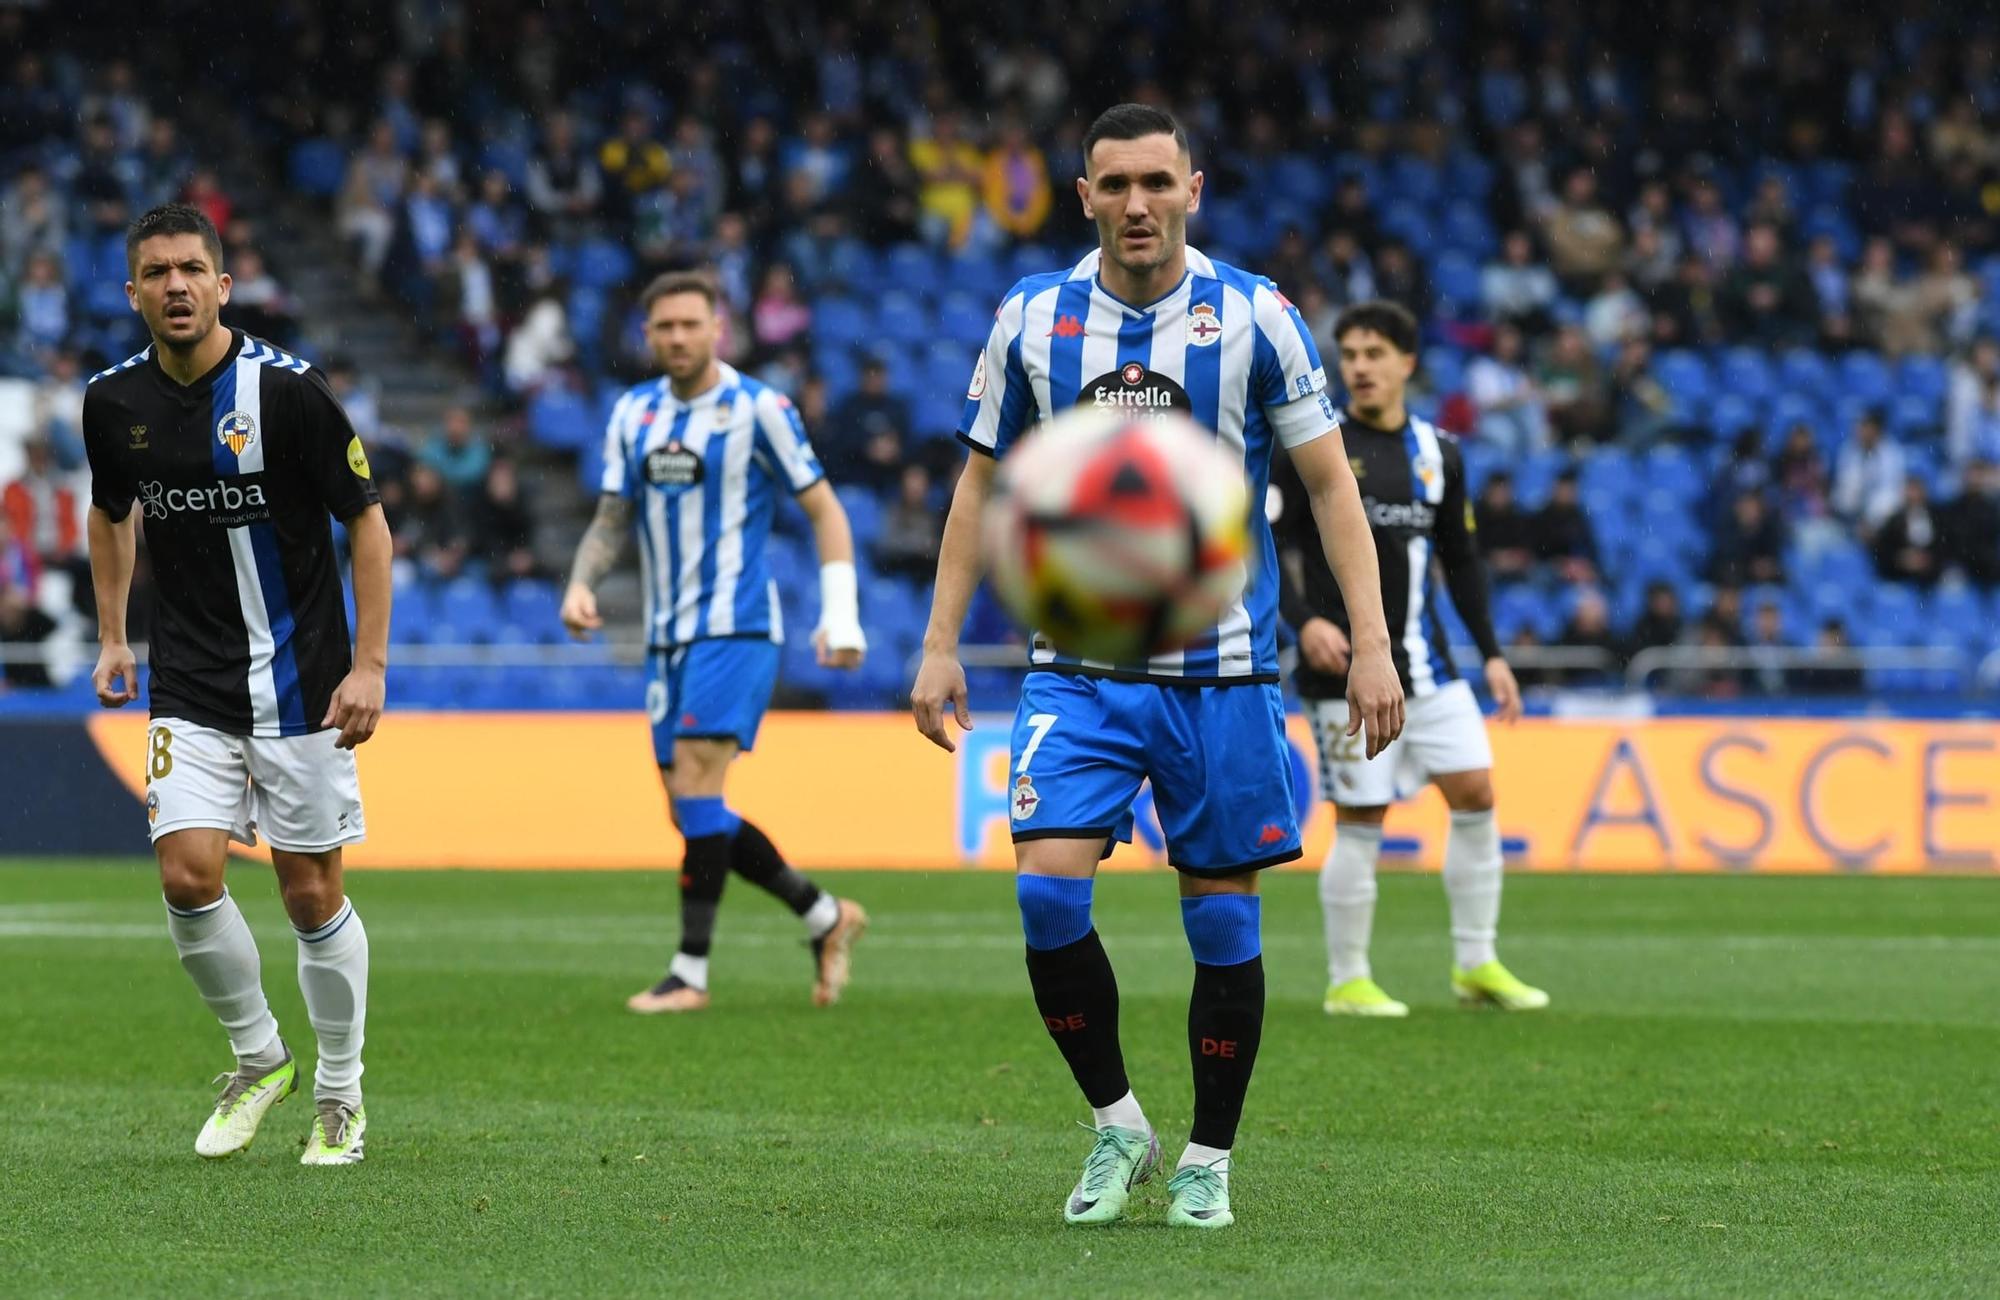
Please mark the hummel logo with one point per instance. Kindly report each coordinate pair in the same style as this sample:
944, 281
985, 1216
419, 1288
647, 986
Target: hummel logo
1066, 327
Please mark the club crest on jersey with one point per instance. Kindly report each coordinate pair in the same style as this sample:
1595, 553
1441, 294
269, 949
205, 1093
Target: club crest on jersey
236, 431
1428, 470
1203, 329
1025, 800
673, 467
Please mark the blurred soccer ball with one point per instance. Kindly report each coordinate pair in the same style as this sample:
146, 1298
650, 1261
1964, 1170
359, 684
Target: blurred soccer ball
1119, 537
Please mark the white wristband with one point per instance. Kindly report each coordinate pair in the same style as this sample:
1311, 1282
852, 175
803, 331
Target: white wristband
840, 606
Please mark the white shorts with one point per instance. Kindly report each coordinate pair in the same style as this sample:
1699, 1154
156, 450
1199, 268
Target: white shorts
303, 793
1443, 732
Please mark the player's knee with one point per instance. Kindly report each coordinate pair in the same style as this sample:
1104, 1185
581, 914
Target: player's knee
1223, 929
187, 882
311, 896
1473, 794
1368, 815
1055, 910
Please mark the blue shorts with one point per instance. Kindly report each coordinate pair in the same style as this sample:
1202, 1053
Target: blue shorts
709, 690
1217, 756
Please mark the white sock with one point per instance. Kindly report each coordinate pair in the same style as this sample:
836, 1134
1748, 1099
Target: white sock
1216, 1158
1123, 1113
220, 956
1347, 898
333, 976
822, 916
1472, 871
692, 970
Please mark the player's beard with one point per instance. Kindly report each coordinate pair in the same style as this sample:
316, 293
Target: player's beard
1169, 237
204, 324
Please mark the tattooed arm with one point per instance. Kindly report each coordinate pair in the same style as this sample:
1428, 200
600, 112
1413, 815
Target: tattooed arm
595, 555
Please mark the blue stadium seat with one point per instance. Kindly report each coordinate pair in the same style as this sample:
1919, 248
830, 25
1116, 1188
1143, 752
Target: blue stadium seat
533, 605
318, 167
1831, 221
966, 319
1804, 371
911, 268
1924, 377
1685, 375
1443, 369
1914, 415
1468, 229
1468, 176
985, 278
1732, 413
1865, 377
1413, 178
1747, 372
601, 264
467, 612
1456, 278
1957, 616
1300, 180
1410, 221
841, 321
1037, 259
560, 418
902, 318
864, 514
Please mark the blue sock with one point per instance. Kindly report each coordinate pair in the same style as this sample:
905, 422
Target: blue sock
1223, 929
705, 815
1055, 910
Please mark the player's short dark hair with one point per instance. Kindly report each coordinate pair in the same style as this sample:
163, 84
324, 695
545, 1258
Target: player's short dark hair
1391, 320
1133, 122
173, 219
677, 282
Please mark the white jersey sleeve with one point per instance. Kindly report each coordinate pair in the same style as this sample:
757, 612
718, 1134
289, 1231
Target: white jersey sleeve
1288, 380
999, 402
616, 479
782, 443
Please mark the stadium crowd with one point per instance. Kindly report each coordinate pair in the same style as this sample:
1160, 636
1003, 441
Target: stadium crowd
1712, 296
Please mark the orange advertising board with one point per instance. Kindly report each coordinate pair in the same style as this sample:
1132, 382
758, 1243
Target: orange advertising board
864, 790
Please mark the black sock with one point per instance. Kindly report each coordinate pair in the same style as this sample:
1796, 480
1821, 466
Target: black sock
703, 873
1225, 1024
1077, 994
753, 857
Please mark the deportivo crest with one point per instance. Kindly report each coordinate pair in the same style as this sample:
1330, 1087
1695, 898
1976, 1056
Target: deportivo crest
236, 431
1025, 800
1203, 327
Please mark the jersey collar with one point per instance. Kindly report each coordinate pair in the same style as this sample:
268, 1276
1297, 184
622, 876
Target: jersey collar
200, 386
725, 377
1162, 302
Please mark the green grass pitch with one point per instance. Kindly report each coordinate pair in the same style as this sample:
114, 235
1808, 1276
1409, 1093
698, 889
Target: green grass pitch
1747, 1086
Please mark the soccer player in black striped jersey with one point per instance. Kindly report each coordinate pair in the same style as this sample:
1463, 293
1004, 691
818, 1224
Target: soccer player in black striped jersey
1412, 482
235, 456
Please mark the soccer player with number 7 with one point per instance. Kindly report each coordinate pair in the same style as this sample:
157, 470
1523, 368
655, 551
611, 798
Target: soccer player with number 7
1152, 324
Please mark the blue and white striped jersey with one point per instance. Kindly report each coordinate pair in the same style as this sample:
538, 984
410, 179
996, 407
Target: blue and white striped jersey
1225, 347
703, 477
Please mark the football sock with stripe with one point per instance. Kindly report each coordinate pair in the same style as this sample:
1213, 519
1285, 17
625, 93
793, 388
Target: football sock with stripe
220, 956
707, 827
1472, 872
333, 977
1347, 899
753, 857
1075, 988
1225, 1011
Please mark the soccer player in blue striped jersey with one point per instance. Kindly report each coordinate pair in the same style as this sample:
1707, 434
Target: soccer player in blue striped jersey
694, 464
1145, 323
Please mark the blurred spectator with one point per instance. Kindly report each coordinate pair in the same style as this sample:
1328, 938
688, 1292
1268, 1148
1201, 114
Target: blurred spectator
432, 535
778, 316
820, 157
1017, 191
755, 178
503, 525
1641, 405
1036, 77
101, 179
1584, 239
59, 409
1712, 232
1576, 390
950, 170
371, 196
1765, 300
672, 223
1769, 673
359, 398
1519, 290
1836, 669
1746, 471
19, 570
257, 302
1972, 410
476, 298
1562, 532
1353, 213
22, 627
1289, 265
1615, 313
1513, 416
438, 160
1909, 544
866, 432
1660, 622
539, 347
633, 163
498, 219
32, 220
1400, 278
1833, 295
457, 452
1709, 681
912, 527
41, 307
821, 252
1687, 310
427, 223
1344, 270
1750, 544
1903, 317
694, 156
1868, 476
1650, 264
885, 204
1803, 495
1971, 525
564, 187
204, 191
1506, 535
1589, 628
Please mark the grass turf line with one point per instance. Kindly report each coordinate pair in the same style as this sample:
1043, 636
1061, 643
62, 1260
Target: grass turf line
1746, 1086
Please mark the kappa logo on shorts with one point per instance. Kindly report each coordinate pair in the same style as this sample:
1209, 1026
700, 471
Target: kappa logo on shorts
1025, 800
1272, 833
